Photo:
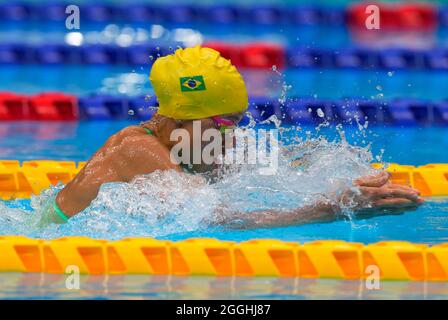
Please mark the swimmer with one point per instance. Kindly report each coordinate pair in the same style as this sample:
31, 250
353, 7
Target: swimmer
197, 84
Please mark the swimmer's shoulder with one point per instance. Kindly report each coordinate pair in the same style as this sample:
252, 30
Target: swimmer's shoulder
133, 130
130, 138
138, 138
119, 137
145, 150
134, 133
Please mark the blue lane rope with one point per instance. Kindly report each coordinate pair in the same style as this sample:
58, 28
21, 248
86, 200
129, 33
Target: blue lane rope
295, 57
295, 110
301, 14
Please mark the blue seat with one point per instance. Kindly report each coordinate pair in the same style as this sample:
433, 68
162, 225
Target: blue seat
296, 112
392, 59
309, 57
355, 58
437, 59
347, 111
142, 107
15, 11
140, 54
92, 109
160, 51
98, 12
262, 108
401, 59
182, 13
315, 106
373, 110
398, 112
322, 58
299, 57
147, 13
52, 54
51, 11
423, 110
305, 15
369, 57
443, 16
441, 112
348, 58
416, 59
335, 16
268, 15
103, 107
14, 53
146, 54
102, 54
223, 14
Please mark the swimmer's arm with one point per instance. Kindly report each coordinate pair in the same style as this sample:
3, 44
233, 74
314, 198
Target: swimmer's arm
319, 212
374, 195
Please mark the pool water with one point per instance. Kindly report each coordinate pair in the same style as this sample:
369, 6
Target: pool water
129, 215
50, 286
321, 84
73, 141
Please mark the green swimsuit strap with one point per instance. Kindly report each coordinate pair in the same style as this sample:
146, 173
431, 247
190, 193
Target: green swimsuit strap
59, 212
148, 131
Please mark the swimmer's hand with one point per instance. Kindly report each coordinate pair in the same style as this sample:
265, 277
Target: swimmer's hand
373, 193
377, 192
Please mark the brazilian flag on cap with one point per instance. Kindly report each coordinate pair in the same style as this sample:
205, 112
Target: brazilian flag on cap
195, 83
176, 77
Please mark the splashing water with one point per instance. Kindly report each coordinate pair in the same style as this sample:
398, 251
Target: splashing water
285, 87
166, 203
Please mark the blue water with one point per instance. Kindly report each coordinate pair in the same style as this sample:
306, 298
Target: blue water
327, 84
414, 146
78, 141
73, 140
51, 286
55, 32
322, 36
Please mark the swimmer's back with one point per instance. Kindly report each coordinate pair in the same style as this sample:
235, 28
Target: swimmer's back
132, 151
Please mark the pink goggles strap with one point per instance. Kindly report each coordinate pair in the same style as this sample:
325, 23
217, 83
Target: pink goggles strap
222, 121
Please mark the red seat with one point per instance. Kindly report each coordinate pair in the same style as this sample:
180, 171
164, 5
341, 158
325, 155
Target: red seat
263, 56
417, 17
253, 56
227, 51
13, 106
396, 17
53, 106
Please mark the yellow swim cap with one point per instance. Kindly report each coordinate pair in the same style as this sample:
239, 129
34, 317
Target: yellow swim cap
196, 83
